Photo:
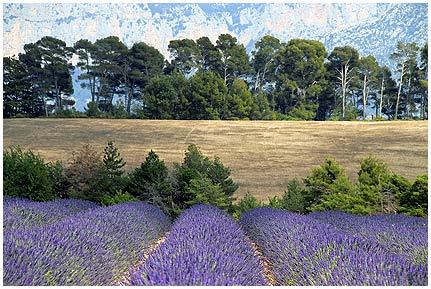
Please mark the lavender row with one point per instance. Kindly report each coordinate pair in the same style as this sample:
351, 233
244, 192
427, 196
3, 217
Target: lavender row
93, 248
205, 247
301, 250
401, 234
21, 213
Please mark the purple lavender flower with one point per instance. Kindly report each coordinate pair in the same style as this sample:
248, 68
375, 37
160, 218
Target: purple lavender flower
400, 234
21, 213
96, 247
205, 247
301, 250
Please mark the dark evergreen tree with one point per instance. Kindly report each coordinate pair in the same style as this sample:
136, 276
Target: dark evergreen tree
234, 58
150, 183
341, 72
112, 160
211, 57
201, 169
264, 62
415, 201
300, 77
186, 55
47, 61
19, 95
146, 64
207, 96
85, 50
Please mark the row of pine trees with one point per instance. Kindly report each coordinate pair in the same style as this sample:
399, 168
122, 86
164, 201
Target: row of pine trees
202, 80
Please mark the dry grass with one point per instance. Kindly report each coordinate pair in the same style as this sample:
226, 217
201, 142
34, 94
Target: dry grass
263, 155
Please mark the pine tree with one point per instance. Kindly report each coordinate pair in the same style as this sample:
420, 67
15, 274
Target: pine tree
112, 160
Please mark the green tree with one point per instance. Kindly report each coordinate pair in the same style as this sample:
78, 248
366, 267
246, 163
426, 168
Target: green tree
119, 197
327, 179
19, 95
245, 204
160, 98
341, 70
112, 160
415, 201
264, 61
112, 180
234, 58
202, 190
165, 97
300, 76
343, 197
26, 175
186, 55
293, 198
380, 184
150, 183
48, 61
405, 60
240, 100
207, 96
146, 64
197, 166
111, 67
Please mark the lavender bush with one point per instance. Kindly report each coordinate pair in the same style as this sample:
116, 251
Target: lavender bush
19, 213
400, 234
205, 247
93, 248
301, 250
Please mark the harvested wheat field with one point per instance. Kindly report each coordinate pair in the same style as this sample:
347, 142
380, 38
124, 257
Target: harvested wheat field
262, 155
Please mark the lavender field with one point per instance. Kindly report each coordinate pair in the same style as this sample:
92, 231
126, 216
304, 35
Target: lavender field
73, 242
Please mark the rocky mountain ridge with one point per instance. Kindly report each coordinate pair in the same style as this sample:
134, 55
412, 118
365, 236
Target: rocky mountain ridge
372, 28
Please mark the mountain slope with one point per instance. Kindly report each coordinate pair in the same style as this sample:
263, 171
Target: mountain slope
370, 28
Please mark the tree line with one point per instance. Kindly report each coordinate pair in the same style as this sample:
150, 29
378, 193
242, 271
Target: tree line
201, 80
101, 178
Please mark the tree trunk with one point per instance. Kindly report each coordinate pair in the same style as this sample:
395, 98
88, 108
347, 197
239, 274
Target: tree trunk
399, 91
46, 107
364, 99
343, 92
344, 81
381, 97
408, 110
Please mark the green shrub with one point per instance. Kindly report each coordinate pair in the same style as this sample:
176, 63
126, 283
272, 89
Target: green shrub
26, 175
274, 202
414, 202
320, 181
119, 197
294, 198
245, 204
203, 191
149, 183
196, 166
380, 185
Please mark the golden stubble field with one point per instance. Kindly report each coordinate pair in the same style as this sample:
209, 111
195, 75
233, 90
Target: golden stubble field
262, 155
